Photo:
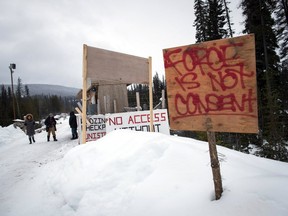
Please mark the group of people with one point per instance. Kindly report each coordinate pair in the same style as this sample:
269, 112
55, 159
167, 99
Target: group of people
50, 124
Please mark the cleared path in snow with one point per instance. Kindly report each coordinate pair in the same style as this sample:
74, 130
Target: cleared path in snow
20, 162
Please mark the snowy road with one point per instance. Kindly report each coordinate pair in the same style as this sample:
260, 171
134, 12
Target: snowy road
20, 164
132, 173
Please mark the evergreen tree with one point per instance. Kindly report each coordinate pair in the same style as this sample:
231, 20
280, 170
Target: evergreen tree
282, 27
229, 23
259, 20
18, 98
157, 89
27, 92
4, 107
200, 22
282, 30
216, 20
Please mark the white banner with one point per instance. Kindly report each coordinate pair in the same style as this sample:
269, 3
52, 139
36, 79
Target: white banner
99, 125
138, 121
96, 127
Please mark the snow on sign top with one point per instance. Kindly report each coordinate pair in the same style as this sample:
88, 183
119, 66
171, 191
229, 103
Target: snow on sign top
115, 68
211, 86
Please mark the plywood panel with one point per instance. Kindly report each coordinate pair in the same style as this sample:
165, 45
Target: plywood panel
113, 92
113, 67
212, 86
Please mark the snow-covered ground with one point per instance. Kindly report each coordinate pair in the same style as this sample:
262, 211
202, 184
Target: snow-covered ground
128, 173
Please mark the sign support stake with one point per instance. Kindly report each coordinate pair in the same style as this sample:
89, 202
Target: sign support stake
215, 164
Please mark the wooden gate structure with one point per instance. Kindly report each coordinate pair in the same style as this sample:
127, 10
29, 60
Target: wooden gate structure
109, 73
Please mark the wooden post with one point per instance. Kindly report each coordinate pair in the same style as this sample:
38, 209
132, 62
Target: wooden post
138, 101
215, 165
84, 94
163, 99
98, 106
115, 106
108, 104
151, 95
105, 104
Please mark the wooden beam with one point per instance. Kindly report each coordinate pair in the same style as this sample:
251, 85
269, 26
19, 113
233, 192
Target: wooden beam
151, 95
84, 94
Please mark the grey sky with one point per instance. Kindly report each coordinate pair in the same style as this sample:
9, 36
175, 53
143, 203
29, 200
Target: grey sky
45, 37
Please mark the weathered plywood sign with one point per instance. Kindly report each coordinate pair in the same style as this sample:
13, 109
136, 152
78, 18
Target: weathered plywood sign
109, 67
212, 86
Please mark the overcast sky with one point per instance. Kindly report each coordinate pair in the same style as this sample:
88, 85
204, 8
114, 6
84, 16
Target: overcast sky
45, 38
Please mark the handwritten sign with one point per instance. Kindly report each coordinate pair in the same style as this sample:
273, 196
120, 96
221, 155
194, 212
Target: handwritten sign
138, 121
212, 86
96, 128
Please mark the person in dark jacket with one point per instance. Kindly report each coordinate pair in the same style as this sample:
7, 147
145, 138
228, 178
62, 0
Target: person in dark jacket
30, 127
73, 125
50, 123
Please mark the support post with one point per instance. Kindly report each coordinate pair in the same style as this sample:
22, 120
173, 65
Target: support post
84, 94
151, 95
163, 99
115, 106
215, 165
105, 104
98, 106
12, 88
138, 101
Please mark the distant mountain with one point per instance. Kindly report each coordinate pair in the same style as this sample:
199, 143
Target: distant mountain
45, 89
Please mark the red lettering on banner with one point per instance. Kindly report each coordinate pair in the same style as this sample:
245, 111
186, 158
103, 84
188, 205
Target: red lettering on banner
130, 120
95, 136
145, 118
115, 121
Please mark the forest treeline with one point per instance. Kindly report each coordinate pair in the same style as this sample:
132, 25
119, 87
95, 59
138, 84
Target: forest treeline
268, 21
38, 105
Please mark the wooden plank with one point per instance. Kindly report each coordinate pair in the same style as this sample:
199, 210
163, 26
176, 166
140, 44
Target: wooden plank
115, 92
113, 67
212, 86
151, 95
84, 94
138, 106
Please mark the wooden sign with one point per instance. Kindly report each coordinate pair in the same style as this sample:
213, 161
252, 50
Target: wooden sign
109, 67
212, 86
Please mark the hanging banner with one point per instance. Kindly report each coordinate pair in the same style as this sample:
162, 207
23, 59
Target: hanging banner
138, 121
211, 86
96, 127
99, 125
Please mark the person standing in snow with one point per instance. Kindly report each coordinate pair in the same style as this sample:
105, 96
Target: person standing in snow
73, 125
50, 123
30, 127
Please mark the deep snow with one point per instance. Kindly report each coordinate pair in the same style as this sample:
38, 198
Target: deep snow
128, 173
